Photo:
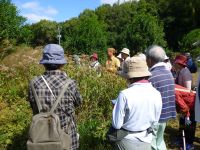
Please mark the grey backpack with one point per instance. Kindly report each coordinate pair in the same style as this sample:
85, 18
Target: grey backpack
45, 132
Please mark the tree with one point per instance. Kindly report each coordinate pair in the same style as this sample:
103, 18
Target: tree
179, 17
11, 22
45, 32
90, 34
187, 43
67, 32
26, 35
145, 30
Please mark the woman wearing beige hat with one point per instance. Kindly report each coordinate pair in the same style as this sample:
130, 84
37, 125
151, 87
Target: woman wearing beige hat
135, 112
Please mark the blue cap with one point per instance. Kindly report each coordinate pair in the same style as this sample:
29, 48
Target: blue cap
53, 54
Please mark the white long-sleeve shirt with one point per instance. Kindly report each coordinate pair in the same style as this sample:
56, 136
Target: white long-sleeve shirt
137, 108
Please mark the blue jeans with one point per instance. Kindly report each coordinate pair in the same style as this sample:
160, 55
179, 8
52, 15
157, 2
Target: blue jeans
158, 142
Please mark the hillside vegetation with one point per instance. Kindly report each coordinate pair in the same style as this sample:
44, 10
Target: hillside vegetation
93, 117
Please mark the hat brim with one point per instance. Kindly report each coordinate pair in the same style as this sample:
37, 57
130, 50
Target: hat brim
59, 62
180, 62
125, 53
136, 74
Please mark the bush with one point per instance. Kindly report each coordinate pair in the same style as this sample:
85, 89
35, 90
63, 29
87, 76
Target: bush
186, 43
93, 116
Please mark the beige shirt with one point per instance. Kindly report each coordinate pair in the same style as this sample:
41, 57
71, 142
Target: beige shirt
112, 64
185, 78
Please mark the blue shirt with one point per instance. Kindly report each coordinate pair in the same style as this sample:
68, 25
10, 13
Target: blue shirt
163, 81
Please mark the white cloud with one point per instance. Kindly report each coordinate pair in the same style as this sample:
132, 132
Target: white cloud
50, 11
36, 18
114, 1
35, 12
30, 5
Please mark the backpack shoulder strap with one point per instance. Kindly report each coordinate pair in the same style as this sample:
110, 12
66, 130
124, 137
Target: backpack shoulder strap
60, 95
36, 97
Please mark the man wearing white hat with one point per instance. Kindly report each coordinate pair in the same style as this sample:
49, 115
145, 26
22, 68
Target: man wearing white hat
135, 112
125, 53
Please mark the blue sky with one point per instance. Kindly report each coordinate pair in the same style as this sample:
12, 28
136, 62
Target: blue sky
57, 10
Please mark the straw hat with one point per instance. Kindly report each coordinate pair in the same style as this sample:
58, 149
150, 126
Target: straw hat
125, 51
136, 67
53, 54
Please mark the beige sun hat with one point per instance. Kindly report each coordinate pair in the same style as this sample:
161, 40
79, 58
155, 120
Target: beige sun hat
126, 51
136, 67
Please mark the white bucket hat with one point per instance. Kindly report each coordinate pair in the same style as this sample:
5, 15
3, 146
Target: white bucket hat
136, 67
126, 51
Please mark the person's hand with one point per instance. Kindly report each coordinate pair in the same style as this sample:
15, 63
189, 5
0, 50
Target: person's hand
187, 121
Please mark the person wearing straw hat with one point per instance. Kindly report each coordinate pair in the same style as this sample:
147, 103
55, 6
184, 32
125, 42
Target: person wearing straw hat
163, 81
184, 76
112, 64
53, 60
135, 112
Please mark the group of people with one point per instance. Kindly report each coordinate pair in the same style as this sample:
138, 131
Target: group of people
155, 88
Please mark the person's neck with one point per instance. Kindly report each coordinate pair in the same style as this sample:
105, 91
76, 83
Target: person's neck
110, 57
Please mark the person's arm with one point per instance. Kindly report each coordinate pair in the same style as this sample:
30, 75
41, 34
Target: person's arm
181, 103
187, 79
119, 112
76, 94
31, 100
158, 108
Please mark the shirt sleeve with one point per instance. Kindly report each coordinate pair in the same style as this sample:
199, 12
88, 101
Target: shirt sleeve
119, 112
32, 101
117, 63
76, 94
158, 108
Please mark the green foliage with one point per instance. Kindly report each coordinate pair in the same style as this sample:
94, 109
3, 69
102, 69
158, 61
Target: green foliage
26, 35
93, 117
11, 22
179, 17
186, 43
45, 32
145, 30
90, 34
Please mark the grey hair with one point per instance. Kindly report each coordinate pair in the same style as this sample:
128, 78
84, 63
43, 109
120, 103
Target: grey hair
155, 53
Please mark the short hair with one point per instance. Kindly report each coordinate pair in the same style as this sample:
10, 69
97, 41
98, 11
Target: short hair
112, 50
52, 66
155, 53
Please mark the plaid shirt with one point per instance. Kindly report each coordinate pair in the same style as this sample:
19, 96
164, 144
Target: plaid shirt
65, 110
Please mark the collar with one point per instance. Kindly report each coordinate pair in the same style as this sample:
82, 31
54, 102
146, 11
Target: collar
111, 58
139, 82
55, 72
157, 65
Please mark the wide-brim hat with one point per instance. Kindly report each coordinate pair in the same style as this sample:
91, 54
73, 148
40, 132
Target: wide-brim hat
181, 59
125, 51
135, 67
53, 54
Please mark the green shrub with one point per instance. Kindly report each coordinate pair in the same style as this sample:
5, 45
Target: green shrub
93, 117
